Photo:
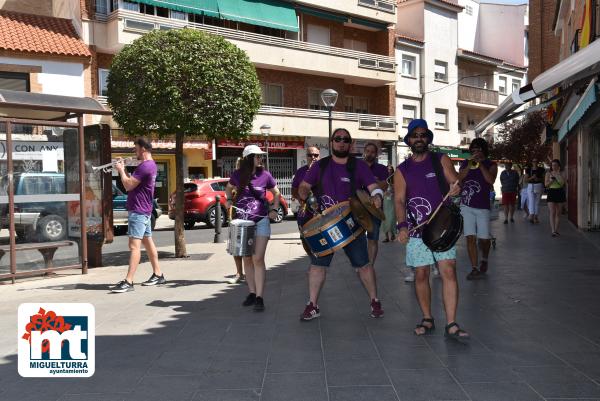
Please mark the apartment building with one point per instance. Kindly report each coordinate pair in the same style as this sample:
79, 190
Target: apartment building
457, 61
299, 48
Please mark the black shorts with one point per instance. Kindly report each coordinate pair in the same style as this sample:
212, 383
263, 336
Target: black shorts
556, 195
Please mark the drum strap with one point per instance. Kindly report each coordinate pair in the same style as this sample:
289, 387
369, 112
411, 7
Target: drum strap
350, 167
439, 173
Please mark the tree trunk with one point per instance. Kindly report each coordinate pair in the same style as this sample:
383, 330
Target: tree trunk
180, 251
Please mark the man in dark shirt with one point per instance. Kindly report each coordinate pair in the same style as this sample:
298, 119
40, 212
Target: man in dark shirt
509, 179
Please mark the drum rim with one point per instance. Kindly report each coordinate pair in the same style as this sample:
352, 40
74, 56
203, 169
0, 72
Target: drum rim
335, 220
341, 245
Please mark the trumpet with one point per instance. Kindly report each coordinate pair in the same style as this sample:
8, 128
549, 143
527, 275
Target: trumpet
109, 167
473, 164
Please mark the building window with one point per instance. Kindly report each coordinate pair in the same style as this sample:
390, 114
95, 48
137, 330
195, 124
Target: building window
128, 5
14, 81
441, 71
356, 104
314, 100
102, 82
408, 65
271, 95
178, 15
409, 113
516, 85
502, 85
469, 10
317, 34
354, 44
441, 118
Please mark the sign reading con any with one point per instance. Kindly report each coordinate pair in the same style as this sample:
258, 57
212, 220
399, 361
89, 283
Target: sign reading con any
25, 150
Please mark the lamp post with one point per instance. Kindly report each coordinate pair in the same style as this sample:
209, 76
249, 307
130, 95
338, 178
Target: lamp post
265, 130
329, 98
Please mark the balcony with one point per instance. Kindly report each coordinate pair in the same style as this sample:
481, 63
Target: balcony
355, 67
377, 10
315, 123
477, 97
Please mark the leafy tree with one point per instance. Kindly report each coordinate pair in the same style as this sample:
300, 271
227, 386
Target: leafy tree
185, 83
520, 140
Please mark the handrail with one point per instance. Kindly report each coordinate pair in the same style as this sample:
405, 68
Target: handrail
382, 62
323, 114
478, 87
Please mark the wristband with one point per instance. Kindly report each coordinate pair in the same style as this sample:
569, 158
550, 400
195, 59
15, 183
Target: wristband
377, 191
401, 225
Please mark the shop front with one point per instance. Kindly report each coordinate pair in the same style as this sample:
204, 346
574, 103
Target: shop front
197, 161
48, 189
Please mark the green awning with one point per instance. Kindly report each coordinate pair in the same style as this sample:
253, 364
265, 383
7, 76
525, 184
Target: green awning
269, 13
453, 153
201, 7
587, 100
323, 14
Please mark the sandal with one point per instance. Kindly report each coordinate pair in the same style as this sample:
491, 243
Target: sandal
483, 266
459, 334
474, 275
428, 329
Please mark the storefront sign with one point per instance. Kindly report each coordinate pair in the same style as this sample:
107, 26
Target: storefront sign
123, 143
274, 143
33, 150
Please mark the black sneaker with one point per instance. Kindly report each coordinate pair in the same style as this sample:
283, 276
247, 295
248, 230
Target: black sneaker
259, 305
250, 299
122, 286
154, 280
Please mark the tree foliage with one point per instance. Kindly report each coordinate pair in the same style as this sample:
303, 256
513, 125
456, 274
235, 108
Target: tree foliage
520, 141
183, 81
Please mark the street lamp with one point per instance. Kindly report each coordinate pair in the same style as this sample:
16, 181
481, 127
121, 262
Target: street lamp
265, 130
329, 97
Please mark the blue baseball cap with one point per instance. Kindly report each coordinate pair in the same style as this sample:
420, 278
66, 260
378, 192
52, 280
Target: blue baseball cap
418, 123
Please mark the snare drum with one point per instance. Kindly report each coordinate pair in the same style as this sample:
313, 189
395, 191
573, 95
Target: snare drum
331, 231
241, 237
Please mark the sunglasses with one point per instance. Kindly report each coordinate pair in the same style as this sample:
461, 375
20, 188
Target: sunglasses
312, 155
345, 139
419, 135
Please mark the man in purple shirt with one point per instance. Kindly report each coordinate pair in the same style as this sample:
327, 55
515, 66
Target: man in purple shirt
312, 155
477, 176
336, 183
380, 172
140, 195
417, 194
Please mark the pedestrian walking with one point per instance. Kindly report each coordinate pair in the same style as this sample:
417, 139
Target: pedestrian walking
335, 177
389, 225
555, 182
509, 179
380, 172
535, 189
417, 193
251, 182
140, 199
477, 176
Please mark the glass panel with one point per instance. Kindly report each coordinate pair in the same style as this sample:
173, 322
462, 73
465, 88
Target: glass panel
126, 5
314, 100
46, 189
408, 63
441, 118
102, 82
275, 97
4, 215
178, 15
502, 85
14, 81
408, 114
441, 70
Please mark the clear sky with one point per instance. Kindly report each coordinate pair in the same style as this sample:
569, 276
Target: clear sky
505, 1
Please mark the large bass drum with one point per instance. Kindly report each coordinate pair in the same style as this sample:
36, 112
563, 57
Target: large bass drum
241, 237
333, 230
444, 229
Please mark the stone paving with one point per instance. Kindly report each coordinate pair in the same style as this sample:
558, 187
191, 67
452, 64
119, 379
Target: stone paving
535, 325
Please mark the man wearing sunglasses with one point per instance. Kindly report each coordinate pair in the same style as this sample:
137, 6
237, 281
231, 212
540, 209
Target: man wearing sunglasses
380, 172
417, 194
312, 155
334, 185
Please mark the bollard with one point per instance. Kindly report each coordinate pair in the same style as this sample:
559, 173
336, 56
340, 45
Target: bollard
218, 219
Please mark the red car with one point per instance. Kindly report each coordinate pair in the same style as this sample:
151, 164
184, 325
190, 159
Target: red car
200, 202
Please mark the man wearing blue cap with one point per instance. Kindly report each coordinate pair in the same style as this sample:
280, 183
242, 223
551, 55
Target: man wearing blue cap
417, 195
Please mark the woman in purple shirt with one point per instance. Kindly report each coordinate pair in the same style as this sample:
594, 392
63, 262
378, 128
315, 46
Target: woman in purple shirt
251, 182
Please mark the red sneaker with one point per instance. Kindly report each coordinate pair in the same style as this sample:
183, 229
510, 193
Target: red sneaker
376, 309
310, 312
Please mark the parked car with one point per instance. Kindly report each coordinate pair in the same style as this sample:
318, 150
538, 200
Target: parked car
120, 211
41, 221
200, 202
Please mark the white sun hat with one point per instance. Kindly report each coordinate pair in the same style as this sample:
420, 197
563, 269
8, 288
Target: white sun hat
252, 150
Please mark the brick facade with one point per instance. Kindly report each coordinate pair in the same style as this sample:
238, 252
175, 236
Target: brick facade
544, 46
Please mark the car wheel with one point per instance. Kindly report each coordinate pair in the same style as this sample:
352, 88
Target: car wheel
280, 215
52, 228
188, 225
212, 216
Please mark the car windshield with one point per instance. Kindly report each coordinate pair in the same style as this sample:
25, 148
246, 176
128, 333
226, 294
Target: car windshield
189, 187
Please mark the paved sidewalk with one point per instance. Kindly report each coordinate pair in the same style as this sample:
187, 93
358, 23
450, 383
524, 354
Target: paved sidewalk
535, 323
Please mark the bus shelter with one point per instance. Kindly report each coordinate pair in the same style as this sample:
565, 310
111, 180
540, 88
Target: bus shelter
49, 193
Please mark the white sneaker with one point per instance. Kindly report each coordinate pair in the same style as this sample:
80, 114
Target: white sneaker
435, 271
410, 277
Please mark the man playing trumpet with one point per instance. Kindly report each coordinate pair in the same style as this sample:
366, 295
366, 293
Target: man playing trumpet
140, 193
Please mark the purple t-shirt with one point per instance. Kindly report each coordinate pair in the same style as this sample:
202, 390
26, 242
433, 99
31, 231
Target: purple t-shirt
253, 206
379, 171
336, 181
140, 198
299, 176
475, 191
422, 191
